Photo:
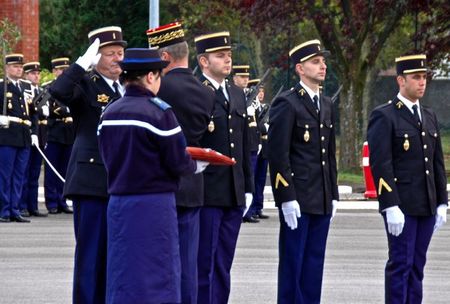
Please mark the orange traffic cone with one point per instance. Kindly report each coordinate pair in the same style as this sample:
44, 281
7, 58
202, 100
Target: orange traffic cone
371, 192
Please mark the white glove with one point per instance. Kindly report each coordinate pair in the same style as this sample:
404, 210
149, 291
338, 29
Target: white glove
334, 209
248, 202
267, 126
34, 140
45, 110
201, 166
259, 149
441, 216
91, 57
395, 220
4, 121
250, 111
291, 211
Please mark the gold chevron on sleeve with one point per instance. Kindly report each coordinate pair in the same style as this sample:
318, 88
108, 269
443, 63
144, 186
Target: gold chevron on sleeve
279, 179
382, 184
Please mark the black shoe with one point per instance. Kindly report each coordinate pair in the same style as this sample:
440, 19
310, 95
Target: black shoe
261, 215
53, 211
248, 219
66, 209
38, 213
19, 219
24, 213
4, 220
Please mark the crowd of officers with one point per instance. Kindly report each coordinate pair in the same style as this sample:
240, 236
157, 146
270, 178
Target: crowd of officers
27, 130
153, 225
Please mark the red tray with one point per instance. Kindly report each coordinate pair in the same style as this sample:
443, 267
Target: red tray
211, 156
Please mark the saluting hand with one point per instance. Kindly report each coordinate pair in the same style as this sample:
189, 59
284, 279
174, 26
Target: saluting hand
91, 57
291, 211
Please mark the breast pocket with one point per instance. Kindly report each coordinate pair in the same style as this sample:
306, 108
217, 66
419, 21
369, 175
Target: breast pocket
405, 139
306, 130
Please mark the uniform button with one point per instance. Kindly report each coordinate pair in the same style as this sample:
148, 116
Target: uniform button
323, 163
91, 160
24, 113
424, 146
426, 159
331, 126
292, 174
395, 179
427, 172
233, 159
231, 130
435, 134
423, 133
232, 145
321, 126
322, 138
323, 151
229, 116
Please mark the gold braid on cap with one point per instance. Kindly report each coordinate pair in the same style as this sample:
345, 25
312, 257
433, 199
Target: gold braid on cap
165, 37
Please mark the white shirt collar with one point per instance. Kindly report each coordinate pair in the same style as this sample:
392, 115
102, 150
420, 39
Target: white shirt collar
216, 85
409, 104
310, 92
110, 82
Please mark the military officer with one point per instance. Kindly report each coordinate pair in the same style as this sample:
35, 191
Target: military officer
192, 104
301, 151
86, 94
17, 133
227, 189
241, 76
60, 137
408, 167
29, 200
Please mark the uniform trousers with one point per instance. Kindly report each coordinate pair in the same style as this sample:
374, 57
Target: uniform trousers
89, 279
301, 259
407, 258
13, 163
260, 182
188, 231
143, 252
29, 200
219, 229
58, 154
253, 159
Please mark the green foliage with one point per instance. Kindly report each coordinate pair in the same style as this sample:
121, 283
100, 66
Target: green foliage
9, 37
46, 76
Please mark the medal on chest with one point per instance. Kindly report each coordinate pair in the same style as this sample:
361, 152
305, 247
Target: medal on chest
406, 143
211, 126
306, 135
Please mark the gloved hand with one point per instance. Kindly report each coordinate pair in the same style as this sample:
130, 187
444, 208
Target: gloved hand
441, 216
291, 211
4, 121
34, 140
250, 111
201, 166
334, 209
91, 57
267, 126
45, 110
395, 220
259, 149
248, 201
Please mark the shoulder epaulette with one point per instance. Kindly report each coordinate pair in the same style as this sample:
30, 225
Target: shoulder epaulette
94, 76
160, 103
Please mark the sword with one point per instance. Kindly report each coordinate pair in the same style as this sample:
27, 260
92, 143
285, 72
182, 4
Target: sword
50, 164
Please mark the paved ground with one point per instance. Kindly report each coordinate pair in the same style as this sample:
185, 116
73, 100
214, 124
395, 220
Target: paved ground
36, 261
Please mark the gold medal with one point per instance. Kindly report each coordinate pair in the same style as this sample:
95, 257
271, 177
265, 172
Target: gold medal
9, 105
406, 143
306, 135
211, 126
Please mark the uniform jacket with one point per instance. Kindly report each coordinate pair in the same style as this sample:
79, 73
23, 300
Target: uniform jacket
60, 123
142, 145
301, 151
406, 159
192, 104
18, 134
225, 186
42, 121
86, 94
254, 134
262, 121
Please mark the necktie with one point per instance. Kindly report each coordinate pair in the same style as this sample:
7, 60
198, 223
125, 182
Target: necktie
221, 96
316, 102
416, 114
116, 89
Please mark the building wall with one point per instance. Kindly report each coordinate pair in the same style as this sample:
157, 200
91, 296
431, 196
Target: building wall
24, 14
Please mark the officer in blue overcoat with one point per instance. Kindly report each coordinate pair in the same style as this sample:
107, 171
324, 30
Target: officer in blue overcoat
408, 167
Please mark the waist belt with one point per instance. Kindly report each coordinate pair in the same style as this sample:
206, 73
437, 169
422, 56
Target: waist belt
19, 120
65, 119
42, 122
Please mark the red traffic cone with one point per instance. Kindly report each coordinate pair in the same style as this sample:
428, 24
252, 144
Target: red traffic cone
371, 192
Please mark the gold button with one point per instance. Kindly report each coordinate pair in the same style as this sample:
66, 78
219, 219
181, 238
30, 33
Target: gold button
426, 159
323, 163
292, 174
323, 151
395, 179
243, 115
322, 138
233, 159
232, 145
91, 160
331, 125
229, 116
321, 126
424, 146
231, 130
427, 172
423, 133
435, 134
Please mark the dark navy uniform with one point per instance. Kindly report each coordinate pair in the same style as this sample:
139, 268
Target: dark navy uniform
15, 142
143, 253
301, 152
60, 138
86, 94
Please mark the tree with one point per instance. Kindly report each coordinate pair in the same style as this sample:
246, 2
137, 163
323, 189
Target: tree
9, 37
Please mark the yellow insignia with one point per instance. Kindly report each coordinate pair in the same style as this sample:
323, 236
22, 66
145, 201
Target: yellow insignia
211, 126
94, 77
279, 179
406, 143
302, 92
382, 184
102, 98
399, 104
306, 135
8, 94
